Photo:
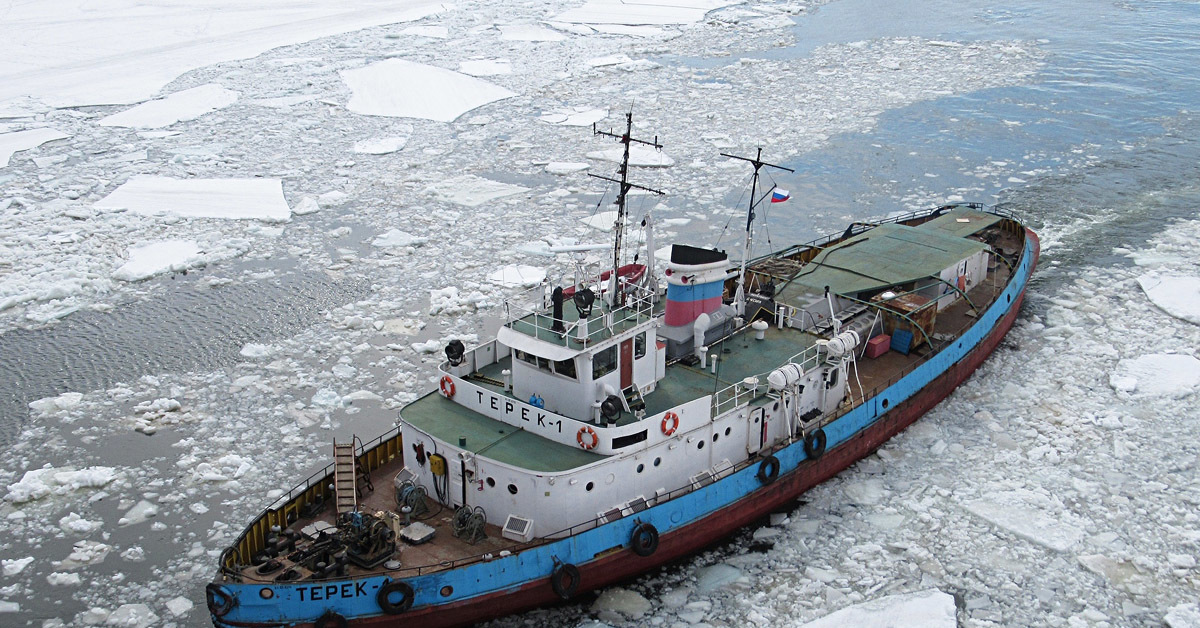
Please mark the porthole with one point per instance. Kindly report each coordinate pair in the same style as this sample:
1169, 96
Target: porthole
885, 404
641, 467
447, 590
589, 486
715, 437
266, 593
727, 430
657, 461
512, 488
1008, 298
491, 482
700, 445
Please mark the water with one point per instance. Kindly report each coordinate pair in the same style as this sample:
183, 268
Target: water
1100, 149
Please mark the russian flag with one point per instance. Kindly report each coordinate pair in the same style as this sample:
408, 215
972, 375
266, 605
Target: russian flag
779, 195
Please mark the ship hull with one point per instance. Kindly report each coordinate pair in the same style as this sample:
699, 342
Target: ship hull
797, 474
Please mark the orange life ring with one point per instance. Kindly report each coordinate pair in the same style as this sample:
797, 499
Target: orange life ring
587, 429
671, 420
447, 386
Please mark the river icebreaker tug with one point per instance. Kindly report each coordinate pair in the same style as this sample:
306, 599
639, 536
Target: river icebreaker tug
611, 427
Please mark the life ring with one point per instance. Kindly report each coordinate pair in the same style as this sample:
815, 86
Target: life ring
331, 620
565, 580
814, 443
587, 429
645, 539
670, 423
768, 470
384, 597
447, 386
219, 601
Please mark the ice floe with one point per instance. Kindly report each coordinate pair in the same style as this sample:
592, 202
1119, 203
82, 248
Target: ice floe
397, 238
1177, 295
923, 609
1032, 516
641, 12
152, 259
578, 116
201, 198
1169, 375
485, 67
471, 191
14, 566
382, 145
518, 275
39, 483
405, 89
566, 167
644, 156
188, 104
24, 140
529, 32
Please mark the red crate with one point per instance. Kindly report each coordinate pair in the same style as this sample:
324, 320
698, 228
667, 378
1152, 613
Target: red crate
878, 345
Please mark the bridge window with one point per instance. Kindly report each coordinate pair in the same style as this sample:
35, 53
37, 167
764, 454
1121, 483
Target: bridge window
604, 362
566, 367
625, 441
639, 346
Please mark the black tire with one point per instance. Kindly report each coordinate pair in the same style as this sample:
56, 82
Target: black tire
768, 470
384, 597
219, 601
331, 620
814, 443
565, 580
645, 539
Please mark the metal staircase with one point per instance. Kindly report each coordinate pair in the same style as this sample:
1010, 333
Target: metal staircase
345, 477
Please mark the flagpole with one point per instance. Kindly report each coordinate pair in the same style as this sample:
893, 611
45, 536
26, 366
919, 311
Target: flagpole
739, 297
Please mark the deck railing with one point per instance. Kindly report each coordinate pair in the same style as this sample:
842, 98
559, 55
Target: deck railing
534, 320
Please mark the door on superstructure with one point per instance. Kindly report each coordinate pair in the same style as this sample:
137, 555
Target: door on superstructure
756, 433
626, 363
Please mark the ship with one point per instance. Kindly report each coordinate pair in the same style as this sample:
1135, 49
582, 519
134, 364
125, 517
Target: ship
622, 418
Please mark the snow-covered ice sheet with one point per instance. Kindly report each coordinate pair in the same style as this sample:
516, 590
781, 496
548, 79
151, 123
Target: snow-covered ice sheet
641, 12
485, 67
518, 275
529, 32
923, 609
405, 89
188, 104
201, 198
1168, 375
1177, 295
471, 191
148, 260
24, 140
80, 52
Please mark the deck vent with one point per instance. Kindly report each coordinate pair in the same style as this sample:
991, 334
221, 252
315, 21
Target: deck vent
704, 478
723, 468
610, 515
518, 528
637, 504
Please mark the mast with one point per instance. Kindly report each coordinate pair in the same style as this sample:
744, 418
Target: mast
739, 298
625, 186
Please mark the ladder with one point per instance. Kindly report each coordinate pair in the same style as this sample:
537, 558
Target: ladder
345, 477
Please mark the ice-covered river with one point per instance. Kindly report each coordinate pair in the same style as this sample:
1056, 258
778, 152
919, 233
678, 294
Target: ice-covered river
184, 368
